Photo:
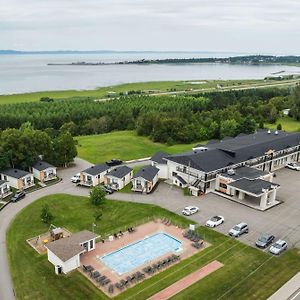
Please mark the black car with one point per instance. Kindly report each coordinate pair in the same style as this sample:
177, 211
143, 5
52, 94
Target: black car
106, 189
18, 196
114, 162
265, 240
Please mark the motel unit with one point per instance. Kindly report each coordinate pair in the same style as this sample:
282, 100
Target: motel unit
18, 179
145, 179
94, 175
44, 171
118, 177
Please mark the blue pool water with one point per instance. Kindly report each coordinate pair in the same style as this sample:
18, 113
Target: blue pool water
134, 255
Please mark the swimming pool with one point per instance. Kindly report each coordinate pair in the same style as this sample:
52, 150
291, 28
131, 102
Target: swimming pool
134, 255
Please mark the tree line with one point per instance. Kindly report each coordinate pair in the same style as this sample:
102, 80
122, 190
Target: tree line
167, 119
21, 148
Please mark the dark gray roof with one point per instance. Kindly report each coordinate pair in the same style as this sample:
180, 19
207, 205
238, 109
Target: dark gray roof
158, 157
148, 173
241, 148
68, 247
42, 165
119, 172
181, 179
97, 169
15, 173
246, 172
255, 186
2, 182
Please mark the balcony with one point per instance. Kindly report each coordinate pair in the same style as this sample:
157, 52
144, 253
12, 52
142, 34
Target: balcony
48, 177
190, 173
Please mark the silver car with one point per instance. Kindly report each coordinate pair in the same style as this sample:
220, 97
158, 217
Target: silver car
278, 247
239, 229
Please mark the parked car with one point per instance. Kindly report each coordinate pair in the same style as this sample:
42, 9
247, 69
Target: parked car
293, 166
114, 162
278, 247
190, 210
265, 240
239, 229
18, 196
106, 189
76, 178
215, 221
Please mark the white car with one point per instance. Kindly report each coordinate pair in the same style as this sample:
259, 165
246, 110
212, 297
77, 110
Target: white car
76, 178
293, 166
190, 210
215, 221
278, 247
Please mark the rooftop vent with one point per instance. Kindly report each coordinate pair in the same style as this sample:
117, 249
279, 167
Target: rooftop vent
230, 172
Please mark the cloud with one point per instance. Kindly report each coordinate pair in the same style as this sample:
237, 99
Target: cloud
240, 25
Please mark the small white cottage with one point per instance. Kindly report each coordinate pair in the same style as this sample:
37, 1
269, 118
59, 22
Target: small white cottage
44, 171
18, 179
65, 253
118, 177
145, 179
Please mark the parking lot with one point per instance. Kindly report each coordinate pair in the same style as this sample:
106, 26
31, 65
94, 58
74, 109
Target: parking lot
282, 221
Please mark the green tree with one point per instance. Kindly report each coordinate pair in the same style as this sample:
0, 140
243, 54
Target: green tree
279, 126
64, 149
248, 125
229, 128
296, 103
97, 196
46, 215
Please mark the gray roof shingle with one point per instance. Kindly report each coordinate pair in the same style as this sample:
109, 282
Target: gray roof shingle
158, 157
241, 148
255, 186
68, 247
246, 172
42, 165
15, 173
148, 173
119, 172
96, 169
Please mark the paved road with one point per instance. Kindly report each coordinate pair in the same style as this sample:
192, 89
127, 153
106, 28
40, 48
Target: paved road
9, 212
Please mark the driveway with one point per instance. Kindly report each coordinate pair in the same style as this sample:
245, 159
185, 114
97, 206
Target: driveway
283, 221
9, 212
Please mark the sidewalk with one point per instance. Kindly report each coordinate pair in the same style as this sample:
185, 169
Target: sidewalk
289, 291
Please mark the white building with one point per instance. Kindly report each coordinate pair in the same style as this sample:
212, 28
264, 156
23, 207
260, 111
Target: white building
4, 189
158, 161
202, 168
145, 179
18, 179
66, 252
94, 175
118, 177
44, 171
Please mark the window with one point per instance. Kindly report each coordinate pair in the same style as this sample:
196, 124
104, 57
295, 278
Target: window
223, 185
91, 244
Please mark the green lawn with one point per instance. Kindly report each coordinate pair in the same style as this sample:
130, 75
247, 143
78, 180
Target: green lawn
155, 86
124, 145
34, 276
287, 123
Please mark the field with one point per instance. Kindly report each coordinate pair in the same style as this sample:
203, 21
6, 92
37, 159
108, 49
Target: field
147, 87
124, 145
248, 273
287, 123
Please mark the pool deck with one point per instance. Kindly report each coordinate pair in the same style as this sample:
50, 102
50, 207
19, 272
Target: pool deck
187, 281
150, 228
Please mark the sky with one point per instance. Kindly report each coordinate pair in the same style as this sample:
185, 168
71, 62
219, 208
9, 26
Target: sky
250, 26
